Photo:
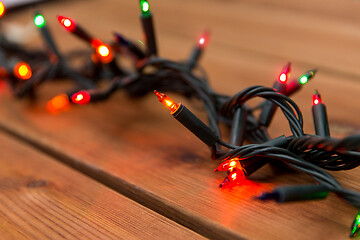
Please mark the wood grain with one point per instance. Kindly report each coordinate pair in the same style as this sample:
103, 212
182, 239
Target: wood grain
173, 175
42, 199
135, 147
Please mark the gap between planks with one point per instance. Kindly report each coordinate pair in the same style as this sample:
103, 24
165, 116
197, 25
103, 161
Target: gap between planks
200, 225
44, 199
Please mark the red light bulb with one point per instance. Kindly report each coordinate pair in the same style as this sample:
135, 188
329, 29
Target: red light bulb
203, 40
96, 43
316, 98
235, 177
81, 98
284, 75
67, 23
229, 165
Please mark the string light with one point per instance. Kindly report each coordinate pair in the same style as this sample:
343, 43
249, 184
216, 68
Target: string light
239, 161
58, 103
296, 193
130, 46
203, 40
229, 165
316, 98
283, 77
303, 79
197, 52
145, 7
2, 9
167, 102
67, 23
22, 71
81, 98
39, 21
297, 84
321, 122
269, 107
148, 28
316, 101
234, 177
104, 53
307, 76
355, 228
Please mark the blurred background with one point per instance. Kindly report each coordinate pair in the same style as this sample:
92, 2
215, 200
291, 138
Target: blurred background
250, 41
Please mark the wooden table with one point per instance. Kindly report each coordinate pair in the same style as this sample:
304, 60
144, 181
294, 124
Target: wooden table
125, 169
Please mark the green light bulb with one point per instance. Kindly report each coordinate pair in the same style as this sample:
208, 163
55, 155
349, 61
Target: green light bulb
39, 21
304, 79
355, 226
145, 7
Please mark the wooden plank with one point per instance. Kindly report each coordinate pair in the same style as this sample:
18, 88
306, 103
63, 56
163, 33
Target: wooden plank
136, 148
132, 151
42, 199
125, 151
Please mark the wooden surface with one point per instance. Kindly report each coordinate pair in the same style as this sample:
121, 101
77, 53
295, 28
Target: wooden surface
135, 147
42, 199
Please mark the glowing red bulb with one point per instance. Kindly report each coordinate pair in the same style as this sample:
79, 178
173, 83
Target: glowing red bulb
96, 43
283, 77
81, 98
203, 40
67, 23
235, 177
316, 98
229, 165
